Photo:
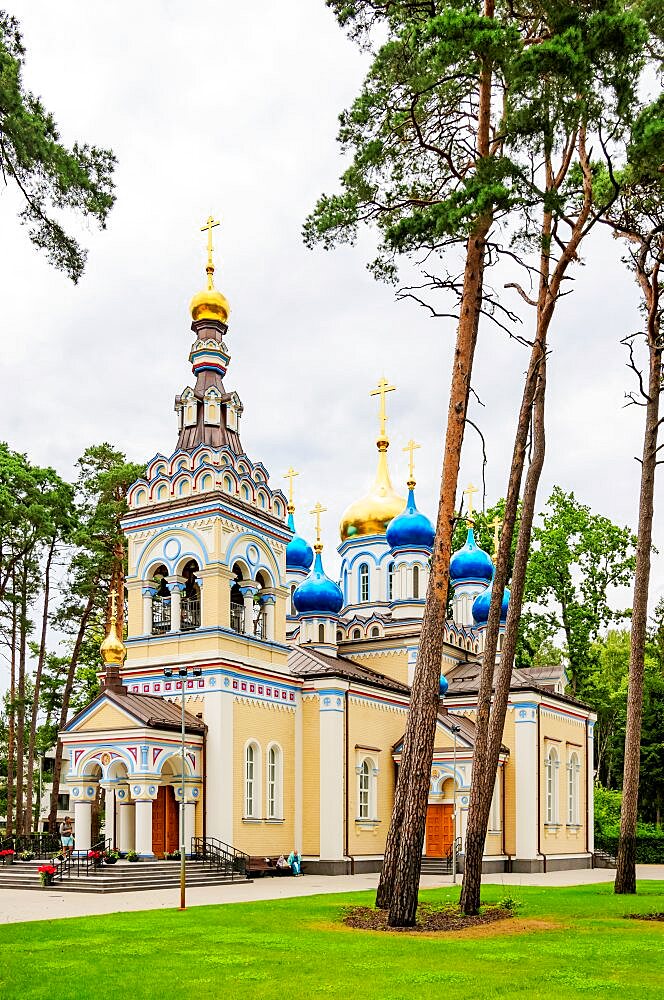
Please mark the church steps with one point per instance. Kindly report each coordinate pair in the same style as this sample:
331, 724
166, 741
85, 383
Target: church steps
127, 877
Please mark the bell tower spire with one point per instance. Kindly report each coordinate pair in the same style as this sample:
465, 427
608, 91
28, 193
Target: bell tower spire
207, 414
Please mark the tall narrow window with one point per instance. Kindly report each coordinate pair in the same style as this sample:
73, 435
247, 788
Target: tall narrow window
573, 769
250, 779
293, 610
321, 632
365, 788
274, 783
364, 582
416, 582
551, 768
390, 582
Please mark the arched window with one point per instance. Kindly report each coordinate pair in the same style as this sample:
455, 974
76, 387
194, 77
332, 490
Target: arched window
356, 633
345, 586
573, 810
190, 603
251, 780
551, 770
293, 610
364, 582
161, 602
375, 632
416, 582
321, 632
390, 582
274, 782
237, 601
340, 635
366, 789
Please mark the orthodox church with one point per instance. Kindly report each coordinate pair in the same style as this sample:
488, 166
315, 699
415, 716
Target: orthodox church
295, 685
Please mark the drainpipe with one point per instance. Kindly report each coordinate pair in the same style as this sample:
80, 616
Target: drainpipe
205, 784
539, 793
585, 797
346, 791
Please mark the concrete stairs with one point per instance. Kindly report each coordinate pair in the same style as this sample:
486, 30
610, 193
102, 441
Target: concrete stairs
436, 866
125, 876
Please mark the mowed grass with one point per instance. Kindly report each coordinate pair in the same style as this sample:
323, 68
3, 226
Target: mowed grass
563, 943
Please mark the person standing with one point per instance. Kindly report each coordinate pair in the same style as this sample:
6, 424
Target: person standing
67, 835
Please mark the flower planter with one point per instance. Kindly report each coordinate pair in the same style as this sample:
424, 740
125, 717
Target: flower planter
110, 861
46, 880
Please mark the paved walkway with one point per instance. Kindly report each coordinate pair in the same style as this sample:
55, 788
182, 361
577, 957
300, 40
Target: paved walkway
17, 905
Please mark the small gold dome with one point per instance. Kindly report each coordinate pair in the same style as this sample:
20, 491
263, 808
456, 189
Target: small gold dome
210, 304
372, 513
113, 650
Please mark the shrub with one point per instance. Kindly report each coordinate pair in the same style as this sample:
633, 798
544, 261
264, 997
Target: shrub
649, 846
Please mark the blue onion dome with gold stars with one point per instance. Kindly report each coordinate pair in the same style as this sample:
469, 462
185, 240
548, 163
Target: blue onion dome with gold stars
482, 603
410, 529
470, 564
317, 594
299, 554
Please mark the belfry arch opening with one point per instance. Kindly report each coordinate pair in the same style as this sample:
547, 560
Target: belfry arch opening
161, 602
190, 603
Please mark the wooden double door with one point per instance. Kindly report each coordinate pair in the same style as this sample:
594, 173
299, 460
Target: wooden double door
165, 822
440, 830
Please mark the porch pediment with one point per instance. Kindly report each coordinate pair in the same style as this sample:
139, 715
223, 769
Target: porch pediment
465, 738
113, 710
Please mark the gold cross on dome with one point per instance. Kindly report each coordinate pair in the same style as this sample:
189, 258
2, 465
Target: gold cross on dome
496, 524
209, 226
383, 388
468, 492
290, 476
317, 511
411, 448
114, 606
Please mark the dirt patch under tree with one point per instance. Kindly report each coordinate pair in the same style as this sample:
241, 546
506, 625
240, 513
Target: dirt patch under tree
446, 917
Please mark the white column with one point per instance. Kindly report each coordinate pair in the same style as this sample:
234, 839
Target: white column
219, 798
299, 769
109, 814
148, 595
82, 825
176, 596
590, 793
189, 824
144, 827
269, 605
525, 764
331, 703
127, 825
248, 598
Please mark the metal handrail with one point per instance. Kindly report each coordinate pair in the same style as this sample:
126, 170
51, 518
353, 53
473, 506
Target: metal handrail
190, 613
161, 615
221, 856
42, 845
81, 864
237, 617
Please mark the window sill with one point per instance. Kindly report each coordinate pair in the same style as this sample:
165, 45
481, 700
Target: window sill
494, 833
274, 821
368, 823
552, 826
251, 819
573, 826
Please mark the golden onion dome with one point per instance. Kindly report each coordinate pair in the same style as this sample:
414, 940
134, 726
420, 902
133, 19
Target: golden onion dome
209, 303
371, 514
113, 650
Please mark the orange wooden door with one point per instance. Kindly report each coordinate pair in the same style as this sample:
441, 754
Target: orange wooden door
159, 822
434, 835
448, 828
172, 821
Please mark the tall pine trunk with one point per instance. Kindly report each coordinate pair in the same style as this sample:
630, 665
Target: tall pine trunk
11, 734
37, 690
20, 699
64, 708
400, 876
626, 867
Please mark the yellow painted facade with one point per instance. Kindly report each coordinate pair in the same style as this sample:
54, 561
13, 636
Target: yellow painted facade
311, 776
567, 735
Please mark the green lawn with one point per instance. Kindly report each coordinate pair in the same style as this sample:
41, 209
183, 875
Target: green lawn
298, 949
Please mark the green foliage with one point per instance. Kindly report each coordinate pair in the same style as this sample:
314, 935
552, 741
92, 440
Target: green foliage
577, 560
649, 846
52, 179
607, 810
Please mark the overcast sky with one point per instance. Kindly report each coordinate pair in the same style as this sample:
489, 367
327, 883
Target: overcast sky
231, 109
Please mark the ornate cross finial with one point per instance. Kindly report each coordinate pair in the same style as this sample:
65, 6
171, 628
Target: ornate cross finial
209, 226
411, 448
317, 511
383, 388
290, 476
468, 492
114, 606
496, 524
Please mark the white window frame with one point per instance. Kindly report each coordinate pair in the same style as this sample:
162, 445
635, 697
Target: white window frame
389, 592
416, 581
363, 583
252, 780
552, 763
573, 789
274, 782
367, 789
495, 817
